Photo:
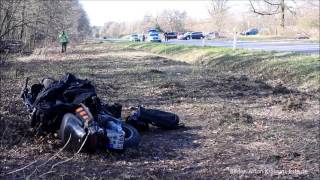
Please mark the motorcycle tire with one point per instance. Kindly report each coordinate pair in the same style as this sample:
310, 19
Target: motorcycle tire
132, 137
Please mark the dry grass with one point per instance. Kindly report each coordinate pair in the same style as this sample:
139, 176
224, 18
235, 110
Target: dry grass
292, 69
236, 126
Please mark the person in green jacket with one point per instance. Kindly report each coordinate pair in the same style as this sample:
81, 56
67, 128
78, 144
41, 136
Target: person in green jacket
64, 40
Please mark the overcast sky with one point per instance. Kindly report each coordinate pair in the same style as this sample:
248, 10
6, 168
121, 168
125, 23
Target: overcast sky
101, 11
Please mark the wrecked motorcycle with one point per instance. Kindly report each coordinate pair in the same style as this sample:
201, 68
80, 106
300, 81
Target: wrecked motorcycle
71, 108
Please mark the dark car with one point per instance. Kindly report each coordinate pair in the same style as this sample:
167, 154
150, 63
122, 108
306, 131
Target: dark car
171, 35
252, 31
192, 35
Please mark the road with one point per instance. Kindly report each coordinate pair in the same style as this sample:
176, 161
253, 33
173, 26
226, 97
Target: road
281, 46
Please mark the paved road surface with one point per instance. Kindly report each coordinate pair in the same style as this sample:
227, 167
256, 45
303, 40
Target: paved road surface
283, 46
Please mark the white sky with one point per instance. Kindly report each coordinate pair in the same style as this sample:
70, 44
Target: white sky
101, 11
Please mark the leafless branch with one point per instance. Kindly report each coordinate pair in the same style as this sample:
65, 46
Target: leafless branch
264, 13
271, 3
61, 162
20, 169
52, 157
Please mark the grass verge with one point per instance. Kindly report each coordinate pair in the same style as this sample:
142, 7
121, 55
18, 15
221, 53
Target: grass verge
292, 69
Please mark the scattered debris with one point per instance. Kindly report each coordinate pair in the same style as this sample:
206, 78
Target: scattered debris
293, 104
172, 85
236, 117
155, 71
280, 89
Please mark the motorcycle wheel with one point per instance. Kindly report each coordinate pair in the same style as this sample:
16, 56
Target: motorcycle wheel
132, 137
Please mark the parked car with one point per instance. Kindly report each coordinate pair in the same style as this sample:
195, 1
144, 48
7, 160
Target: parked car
153, 37
180, 35
212, 35
192, 35
252, 31
171, 35
134, 37
302, 36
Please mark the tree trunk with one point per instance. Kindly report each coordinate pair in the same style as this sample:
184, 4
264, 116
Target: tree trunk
23, 20
282, 13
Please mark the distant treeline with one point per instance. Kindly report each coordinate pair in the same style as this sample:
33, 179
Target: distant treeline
38, 22
273, 18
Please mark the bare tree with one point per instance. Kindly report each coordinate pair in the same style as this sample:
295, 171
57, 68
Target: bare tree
39, 22
96, 31
114, 29
10, 18
271, 7
147, 22
217, 10
173, 20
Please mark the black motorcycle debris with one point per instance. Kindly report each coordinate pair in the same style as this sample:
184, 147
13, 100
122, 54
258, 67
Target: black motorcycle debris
70, 107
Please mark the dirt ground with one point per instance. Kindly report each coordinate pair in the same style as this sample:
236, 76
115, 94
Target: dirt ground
235, 126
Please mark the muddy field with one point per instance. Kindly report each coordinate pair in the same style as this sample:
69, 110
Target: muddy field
235, 125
